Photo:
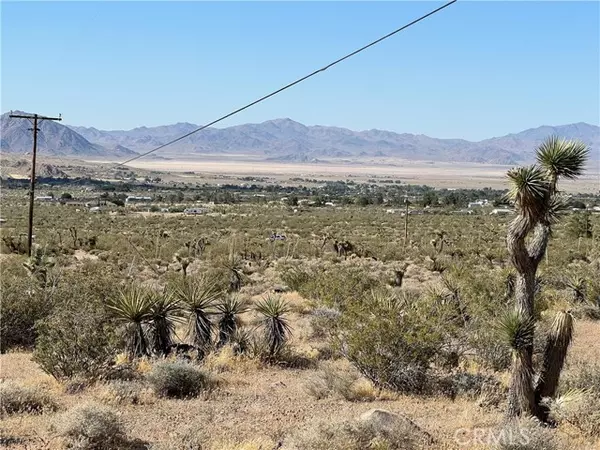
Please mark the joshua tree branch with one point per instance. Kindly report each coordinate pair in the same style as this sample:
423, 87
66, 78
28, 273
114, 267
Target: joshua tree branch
539, 243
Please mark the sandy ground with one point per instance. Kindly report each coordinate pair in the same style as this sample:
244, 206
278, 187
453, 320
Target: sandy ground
262, 405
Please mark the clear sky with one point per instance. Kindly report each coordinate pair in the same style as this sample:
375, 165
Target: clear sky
474, 70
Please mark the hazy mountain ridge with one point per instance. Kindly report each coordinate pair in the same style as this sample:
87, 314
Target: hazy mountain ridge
287, 140
53, 139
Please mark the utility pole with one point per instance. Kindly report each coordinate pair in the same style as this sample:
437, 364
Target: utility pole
406, 221
34, 119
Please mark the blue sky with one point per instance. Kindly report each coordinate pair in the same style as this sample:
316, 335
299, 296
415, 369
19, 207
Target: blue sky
474, 70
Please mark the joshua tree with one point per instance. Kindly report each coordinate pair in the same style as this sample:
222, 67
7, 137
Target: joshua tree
537, 202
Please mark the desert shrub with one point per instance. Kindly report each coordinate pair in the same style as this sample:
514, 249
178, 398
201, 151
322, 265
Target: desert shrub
296, 277
580, 408
470, 385
23, 304
189, 438
178, 379
125, 393
585, 376
393, 344
348, 384
24, 399
324, 321
25, 301
490, 351
91, 427
586, 311
338, 286
355, 435
522, 434
78, 342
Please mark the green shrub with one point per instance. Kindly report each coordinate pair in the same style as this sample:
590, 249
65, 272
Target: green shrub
338, 286
23, 303
393, 344
22, 399
91, 427
178, 379
75, 343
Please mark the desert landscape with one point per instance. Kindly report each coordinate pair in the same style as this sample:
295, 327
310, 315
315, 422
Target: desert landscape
300, 226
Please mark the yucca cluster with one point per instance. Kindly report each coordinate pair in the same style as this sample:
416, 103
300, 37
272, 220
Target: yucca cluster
212, 316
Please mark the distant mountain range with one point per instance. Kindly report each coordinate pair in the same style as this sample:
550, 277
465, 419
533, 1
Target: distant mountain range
285, 140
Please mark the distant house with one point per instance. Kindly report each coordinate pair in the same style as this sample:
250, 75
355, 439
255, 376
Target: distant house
501, 211
478, 204
194, 211
45, 198
133, 199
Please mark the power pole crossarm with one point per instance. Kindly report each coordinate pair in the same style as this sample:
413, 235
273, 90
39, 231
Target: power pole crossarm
36, 119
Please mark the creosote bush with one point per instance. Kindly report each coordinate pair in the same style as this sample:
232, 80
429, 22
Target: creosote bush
15, 398
178, 380
393, 343
76, 342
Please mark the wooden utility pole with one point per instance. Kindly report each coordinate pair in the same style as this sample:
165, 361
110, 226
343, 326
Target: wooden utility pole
406, 222
34, 119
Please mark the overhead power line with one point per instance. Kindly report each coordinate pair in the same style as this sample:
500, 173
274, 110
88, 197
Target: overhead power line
287, 86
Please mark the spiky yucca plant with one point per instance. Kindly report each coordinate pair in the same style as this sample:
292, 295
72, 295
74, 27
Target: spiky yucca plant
166, 312
229, 310
277, 328
577, 285
133, 307
198, 297
537, 202
517, 329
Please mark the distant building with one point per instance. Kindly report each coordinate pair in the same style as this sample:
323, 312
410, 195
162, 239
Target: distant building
45, 198
194, 211
501, 212
133, 199
478, 204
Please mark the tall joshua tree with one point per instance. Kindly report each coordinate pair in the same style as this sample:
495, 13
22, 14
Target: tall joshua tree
537, 202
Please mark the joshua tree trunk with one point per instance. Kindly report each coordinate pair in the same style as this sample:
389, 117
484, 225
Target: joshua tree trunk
521, 398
